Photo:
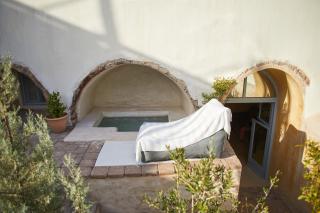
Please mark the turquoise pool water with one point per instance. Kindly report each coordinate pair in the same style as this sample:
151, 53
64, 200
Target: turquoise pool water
130, 124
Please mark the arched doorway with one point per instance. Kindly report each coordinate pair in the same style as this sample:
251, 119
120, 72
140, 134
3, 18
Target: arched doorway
275, 89
126, 84
253, 105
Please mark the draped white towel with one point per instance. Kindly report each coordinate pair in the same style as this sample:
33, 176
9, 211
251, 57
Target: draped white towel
206, 121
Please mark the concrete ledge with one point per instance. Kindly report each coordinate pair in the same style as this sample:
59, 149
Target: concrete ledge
150, 169
166, 168
99, 172
116, 171
133, 171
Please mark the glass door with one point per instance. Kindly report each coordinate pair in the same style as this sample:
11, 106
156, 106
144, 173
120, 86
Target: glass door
260, 140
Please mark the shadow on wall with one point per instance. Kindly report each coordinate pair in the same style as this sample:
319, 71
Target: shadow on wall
72, 48
291, 152
287, 150
294, 140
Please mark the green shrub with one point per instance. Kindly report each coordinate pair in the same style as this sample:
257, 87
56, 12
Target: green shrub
208, 189
29, 178
74, 185
56, 108
220, 87
311, 192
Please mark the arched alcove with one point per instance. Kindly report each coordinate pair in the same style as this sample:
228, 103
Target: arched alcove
33, 95
286, 153
125, 84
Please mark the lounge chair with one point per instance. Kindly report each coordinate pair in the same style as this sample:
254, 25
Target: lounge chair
199, 134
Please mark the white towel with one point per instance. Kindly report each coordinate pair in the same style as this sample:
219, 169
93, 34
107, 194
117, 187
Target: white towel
206, 121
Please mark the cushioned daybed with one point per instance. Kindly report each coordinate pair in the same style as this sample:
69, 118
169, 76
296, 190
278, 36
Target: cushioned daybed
212, 144
199, 133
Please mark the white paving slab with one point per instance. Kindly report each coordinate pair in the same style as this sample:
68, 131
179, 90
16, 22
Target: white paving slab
98, 133
117, 153
121, 153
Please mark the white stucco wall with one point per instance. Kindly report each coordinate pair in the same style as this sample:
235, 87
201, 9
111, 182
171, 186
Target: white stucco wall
136, 86
61, 41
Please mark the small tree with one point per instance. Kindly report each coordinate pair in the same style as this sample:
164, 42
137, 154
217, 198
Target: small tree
220, 87
56, 108
29, 178
208, 189
311, 192
208, 185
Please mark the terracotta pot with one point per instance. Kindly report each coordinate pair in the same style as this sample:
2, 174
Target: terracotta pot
57, 125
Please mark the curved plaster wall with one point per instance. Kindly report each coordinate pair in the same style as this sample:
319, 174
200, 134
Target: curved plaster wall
134, 86
289, 136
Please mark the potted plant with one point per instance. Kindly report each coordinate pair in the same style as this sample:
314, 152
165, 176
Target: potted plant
56, 117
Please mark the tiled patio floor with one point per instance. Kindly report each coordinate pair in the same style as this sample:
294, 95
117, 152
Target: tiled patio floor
86, 153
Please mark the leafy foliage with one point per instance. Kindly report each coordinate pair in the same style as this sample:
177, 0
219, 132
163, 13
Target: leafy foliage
76, 190
202, 188
311, 192
56, 108
261, 206
29, 178
220, 87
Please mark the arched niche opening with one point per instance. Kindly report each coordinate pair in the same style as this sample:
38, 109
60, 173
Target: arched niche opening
32, 94
283, 83
131, 86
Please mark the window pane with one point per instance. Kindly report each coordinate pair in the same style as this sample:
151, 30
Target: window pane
265, 112
259, 143
258, 86
30, 93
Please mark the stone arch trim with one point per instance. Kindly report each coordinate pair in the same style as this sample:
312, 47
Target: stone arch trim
298, 74
27, 72
110, 65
